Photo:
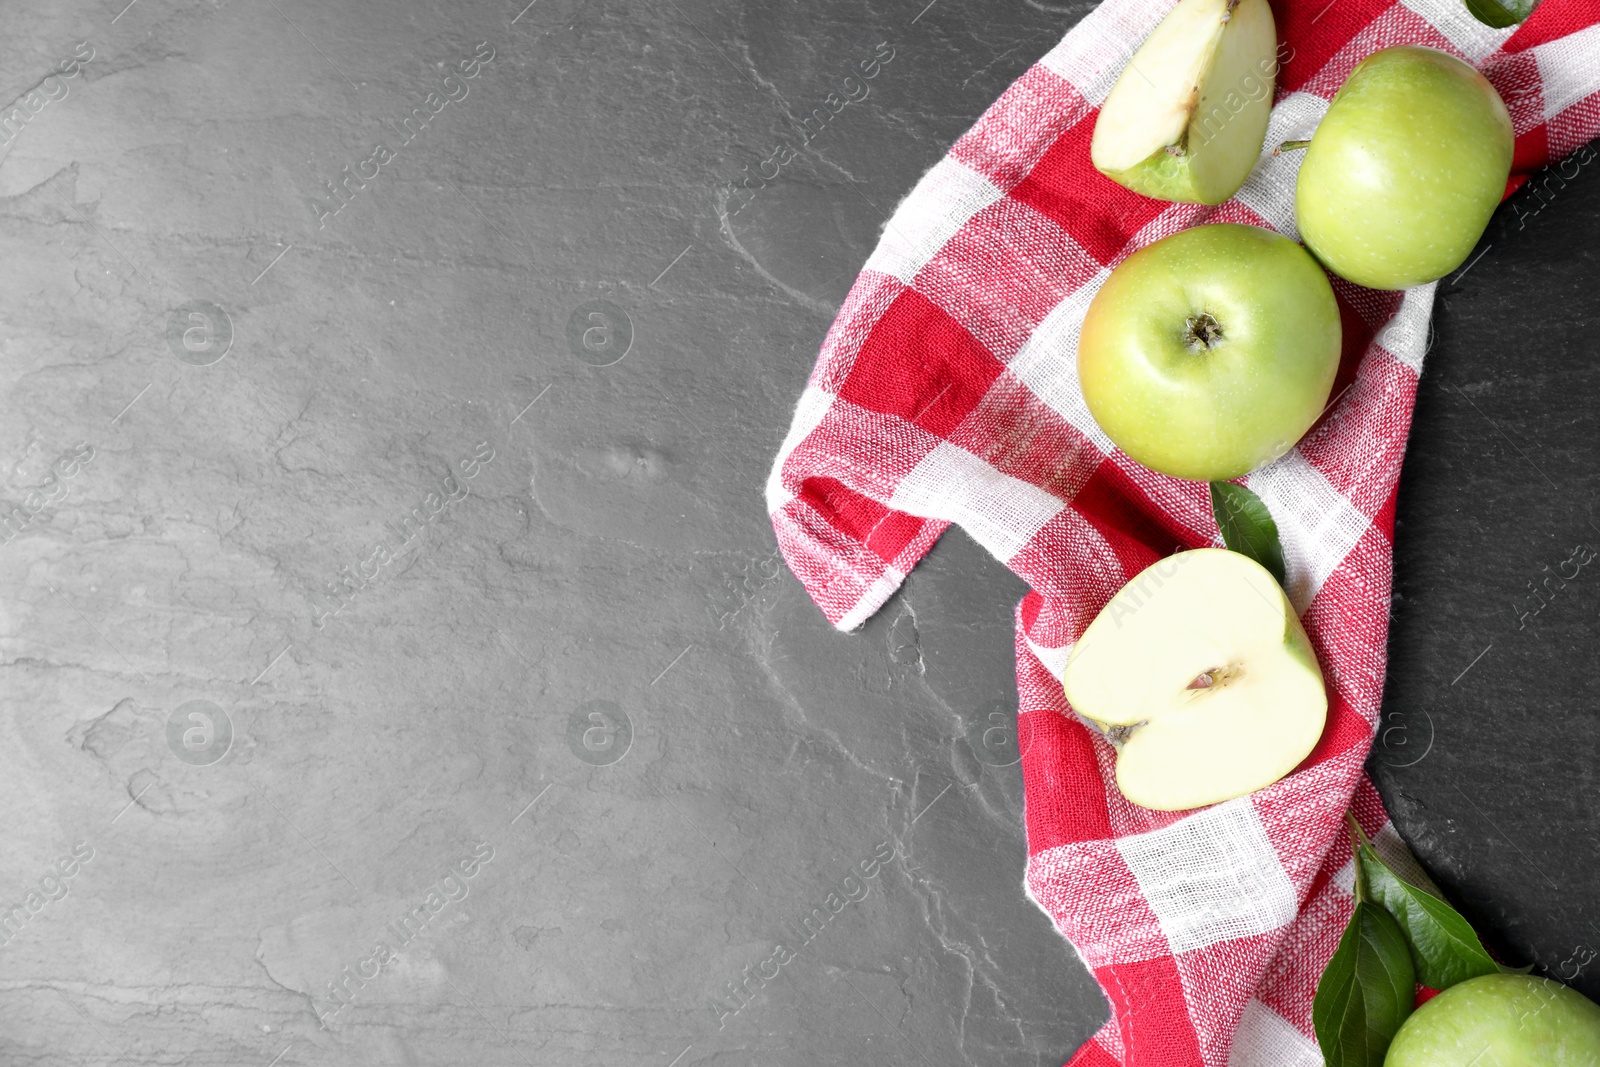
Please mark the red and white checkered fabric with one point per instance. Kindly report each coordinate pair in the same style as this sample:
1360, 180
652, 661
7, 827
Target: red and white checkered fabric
946, 392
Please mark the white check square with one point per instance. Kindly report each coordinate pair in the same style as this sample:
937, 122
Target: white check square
1212, 877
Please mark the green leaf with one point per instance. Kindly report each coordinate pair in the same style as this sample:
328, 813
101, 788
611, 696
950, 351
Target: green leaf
1500, 13
1366, 991
1443, 945
1247, 526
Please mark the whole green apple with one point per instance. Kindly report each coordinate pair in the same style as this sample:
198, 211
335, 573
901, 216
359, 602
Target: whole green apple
1501, 1020
1210, 352
1404, 170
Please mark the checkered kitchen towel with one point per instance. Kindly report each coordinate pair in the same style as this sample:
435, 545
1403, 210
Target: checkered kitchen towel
946, 391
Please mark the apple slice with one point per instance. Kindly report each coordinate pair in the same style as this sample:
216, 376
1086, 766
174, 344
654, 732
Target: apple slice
1186, 118
1201, 675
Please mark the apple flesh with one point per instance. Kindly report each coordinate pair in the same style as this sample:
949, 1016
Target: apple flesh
1210, 352
1404, 170
1186, 118
1201, 675
1501, 1020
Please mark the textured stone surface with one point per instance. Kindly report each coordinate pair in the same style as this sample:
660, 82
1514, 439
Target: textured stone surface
603, 585
613, 556
1486, 754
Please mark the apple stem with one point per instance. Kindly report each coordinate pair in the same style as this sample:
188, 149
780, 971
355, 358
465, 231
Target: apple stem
1202, 332
1291, 146
1357, 840
1357, 833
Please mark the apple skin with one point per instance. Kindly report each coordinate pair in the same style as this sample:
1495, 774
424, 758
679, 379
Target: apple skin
1217, 413
1501, 1020
1404, 170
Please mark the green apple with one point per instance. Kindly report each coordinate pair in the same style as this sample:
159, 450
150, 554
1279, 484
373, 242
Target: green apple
1186, 118
1210, 352
1501, 1020
1404, 170
1200, 674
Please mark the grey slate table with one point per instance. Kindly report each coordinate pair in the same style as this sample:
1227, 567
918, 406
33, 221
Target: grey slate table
573, 747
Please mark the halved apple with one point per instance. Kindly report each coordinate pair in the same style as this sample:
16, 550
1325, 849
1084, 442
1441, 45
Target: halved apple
1186, 118
1201, 675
